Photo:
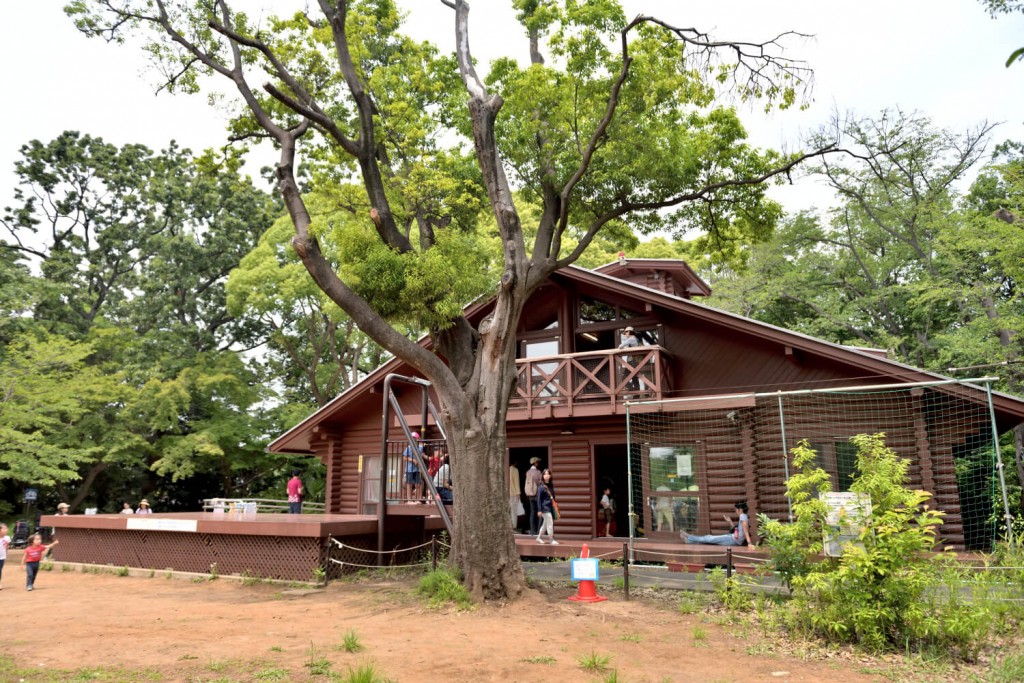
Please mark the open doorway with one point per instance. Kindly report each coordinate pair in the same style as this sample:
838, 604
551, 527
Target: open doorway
520, 459
611, 471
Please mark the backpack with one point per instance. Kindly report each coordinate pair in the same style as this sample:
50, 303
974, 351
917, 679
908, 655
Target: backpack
611, 505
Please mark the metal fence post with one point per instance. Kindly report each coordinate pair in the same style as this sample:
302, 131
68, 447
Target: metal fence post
728, 567
433, 552
625, 569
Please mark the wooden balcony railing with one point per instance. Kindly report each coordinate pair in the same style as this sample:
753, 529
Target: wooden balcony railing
590, 383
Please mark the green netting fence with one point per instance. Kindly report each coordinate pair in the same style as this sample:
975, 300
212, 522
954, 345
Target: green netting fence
692, 459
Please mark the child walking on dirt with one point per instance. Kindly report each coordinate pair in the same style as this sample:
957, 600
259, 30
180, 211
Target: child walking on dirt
30, 560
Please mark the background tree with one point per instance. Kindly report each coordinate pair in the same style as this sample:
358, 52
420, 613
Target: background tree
312, 346
132, 251
904, 263
995, 7
621, 124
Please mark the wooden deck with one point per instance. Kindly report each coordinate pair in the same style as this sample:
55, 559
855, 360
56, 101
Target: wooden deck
292, 547
661, 552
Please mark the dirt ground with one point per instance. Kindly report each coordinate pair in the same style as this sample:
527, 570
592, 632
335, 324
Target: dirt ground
157, 628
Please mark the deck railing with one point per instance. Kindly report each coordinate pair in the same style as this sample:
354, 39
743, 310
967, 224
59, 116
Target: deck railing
591, 379
259, 505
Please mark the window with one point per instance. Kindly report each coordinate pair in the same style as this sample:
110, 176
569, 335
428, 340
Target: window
839, 459
673, 492
593, 311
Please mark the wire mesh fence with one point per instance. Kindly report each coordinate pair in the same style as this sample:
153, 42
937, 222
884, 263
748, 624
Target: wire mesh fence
691, 460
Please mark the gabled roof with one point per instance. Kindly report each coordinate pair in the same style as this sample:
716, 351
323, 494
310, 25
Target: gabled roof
1009, 409
677, 269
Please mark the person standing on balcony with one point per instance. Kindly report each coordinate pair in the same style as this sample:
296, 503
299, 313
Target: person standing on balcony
629, 341
295, 492
533, 480
412, 457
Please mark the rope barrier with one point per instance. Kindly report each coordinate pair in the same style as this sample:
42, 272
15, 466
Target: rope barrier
380, 552
375, 566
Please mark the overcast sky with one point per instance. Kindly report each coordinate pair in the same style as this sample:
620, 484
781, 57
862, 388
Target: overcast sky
944, 58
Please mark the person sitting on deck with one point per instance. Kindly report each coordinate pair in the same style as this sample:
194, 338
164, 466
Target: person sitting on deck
740, 534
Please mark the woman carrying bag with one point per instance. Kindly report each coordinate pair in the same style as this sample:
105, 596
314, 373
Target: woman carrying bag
547, 509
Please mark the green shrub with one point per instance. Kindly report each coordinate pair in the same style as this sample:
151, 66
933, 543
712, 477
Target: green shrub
730, 593
886, 591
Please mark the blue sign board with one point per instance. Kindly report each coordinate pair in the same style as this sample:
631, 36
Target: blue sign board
31, 495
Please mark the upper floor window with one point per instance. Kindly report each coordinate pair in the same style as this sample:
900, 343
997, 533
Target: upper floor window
593, 311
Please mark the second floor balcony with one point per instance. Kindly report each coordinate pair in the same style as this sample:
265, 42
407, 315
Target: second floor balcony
590, 383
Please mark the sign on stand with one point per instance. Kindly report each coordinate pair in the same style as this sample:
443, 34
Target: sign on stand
585, 569
845, 515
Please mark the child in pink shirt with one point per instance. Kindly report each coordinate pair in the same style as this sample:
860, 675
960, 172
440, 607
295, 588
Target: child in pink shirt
34, 553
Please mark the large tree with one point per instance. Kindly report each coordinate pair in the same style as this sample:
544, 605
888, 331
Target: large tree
607, 120
132, 250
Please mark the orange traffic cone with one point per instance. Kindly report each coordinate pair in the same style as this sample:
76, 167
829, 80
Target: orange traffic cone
587, 591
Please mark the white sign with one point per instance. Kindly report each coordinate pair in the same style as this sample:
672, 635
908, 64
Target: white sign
684, 465
144, 524
585, 569
845, 517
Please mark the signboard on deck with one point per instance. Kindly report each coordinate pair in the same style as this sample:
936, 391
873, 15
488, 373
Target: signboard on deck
585, 569
144, 524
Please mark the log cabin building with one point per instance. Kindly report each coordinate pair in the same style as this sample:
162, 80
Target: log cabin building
576, 387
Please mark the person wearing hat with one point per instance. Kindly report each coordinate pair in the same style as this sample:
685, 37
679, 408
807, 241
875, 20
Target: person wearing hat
413, 491
629, 341
62, 508
144, 508
534, 478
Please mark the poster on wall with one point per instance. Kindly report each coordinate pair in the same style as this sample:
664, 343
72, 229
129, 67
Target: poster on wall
684, 465
846, 514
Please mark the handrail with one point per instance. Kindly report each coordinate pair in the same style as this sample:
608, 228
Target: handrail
564, 382
262, 504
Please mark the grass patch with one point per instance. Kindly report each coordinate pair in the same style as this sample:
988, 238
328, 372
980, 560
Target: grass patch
272, 674
350, 642
594, 662
444, 587
364, 673
690, 603
700, 636
1007, 670
631, 637
317, 664
540, 659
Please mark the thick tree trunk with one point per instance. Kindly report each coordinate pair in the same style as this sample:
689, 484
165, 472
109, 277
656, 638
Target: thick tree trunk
483, 546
